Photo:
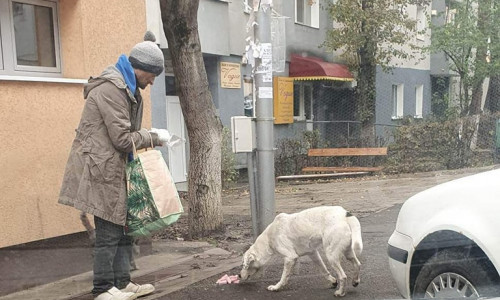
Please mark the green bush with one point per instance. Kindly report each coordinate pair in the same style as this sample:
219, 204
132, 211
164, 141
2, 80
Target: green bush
291, 153
438, 145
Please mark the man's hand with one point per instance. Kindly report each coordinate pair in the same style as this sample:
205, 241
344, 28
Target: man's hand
163, 134
165, 137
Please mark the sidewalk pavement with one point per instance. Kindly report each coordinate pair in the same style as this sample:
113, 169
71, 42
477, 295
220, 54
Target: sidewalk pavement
173, 265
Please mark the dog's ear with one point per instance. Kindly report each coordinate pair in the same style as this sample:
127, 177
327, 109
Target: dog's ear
248, 258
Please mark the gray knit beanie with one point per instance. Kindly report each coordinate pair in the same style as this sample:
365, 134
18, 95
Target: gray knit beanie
147, 56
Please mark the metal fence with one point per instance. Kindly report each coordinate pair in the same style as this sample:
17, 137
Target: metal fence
426, 124
344, 133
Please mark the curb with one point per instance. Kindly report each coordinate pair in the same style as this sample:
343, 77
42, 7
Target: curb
168, 269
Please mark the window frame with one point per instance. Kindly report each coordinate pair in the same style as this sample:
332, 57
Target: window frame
313, 13
1, 49
302, 108
450, 15
8, 49
421, 19
247, 8
419, 100
397, 97
4, 24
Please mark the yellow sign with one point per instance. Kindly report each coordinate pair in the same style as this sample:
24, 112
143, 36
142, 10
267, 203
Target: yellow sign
283, 100
230, 75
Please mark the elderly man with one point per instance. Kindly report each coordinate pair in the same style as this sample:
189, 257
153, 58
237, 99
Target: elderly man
94, 180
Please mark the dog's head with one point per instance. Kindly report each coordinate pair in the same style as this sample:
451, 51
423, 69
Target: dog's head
251, 264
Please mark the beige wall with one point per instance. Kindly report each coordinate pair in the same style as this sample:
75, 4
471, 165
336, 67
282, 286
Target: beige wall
39, 118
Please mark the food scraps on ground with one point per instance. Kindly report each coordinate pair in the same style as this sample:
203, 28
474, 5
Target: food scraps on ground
228, 279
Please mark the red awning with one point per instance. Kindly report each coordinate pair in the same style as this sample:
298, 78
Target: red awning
314, 68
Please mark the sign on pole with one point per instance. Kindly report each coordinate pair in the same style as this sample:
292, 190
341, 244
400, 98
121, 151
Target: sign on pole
283, 100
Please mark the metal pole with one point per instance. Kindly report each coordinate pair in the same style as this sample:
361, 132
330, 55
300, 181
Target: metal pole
253, 192
264, 118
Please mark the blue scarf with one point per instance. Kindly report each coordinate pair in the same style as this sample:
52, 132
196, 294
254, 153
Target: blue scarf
124, 66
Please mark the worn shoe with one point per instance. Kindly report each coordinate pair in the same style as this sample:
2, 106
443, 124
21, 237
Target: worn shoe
138, 290
115, 294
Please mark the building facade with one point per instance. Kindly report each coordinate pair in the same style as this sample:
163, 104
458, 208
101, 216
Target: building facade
48, 50
323, 94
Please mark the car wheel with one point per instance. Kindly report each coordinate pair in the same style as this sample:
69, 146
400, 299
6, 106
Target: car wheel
450, 273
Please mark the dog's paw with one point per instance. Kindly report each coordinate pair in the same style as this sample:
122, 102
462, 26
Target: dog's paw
333, 281
273, 288
339, 293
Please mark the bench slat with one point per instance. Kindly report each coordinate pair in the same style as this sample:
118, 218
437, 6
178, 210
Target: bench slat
347, 151
342, 169
314, 176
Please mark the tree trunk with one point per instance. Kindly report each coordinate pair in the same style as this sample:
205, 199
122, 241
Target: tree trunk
366, 84
475, 109
477, 97
204, 127
483, 23
366, 103
493, 94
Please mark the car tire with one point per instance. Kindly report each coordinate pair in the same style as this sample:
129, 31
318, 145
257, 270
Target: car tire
451, 270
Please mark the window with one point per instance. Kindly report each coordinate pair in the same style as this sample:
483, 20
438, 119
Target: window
402, 9
421, 22
397, 101
307, 12
302, 101
29, 37
170, 89
1, 51
419, 100
450, 15
247, 6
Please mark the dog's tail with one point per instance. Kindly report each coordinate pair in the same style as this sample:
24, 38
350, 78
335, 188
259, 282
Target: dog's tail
356, 241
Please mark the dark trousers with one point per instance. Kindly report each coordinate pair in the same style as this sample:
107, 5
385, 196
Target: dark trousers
112, 252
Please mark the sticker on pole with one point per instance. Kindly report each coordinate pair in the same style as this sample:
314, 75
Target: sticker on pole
266, 66
265, 92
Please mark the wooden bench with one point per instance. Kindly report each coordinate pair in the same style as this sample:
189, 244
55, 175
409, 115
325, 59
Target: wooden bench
348, 152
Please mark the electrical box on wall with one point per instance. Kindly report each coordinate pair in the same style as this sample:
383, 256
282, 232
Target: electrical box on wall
243, 134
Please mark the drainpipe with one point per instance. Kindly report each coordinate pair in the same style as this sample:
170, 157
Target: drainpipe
264, 118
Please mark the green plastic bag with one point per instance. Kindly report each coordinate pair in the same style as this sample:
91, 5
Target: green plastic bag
152, 199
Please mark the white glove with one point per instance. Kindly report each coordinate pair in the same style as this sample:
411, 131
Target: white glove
163, 134
165, 137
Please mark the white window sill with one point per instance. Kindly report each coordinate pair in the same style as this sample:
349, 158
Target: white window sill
301, 119
397, 118
305, 25
418, 117
42, 79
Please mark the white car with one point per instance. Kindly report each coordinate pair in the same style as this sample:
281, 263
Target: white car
447, 240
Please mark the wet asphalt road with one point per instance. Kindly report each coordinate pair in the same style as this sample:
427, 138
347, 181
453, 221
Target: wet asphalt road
305, 282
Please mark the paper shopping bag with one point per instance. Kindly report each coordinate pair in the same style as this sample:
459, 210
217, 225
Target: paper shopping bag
152, 199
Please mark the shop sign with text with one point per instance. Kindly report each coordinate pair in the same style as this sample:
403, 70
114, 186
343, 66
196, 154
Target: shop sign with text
230, 75
283, 100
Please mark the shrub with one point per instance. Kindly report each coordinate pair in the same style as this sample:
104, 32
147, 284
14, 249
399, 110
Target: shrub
291, 154
436, 145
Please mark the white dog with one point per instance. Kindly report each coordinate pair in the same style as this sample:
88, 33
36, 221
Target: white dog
304, 233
